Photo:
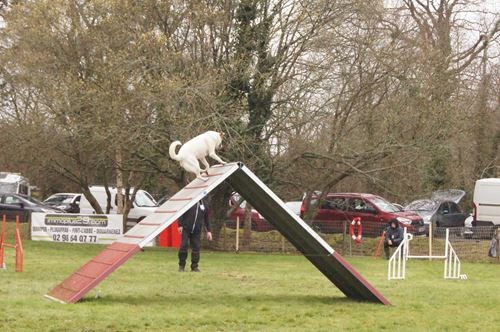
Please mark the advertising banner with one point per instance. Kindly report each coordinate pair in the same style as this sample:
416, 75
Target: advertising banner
76, 228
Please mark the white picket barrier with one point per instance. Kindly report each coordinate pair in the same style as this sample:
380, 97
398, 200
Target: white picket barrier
397, 263
452, 263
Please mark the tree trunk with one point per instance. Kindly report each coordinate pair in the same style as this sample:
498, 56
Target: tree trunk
120, 202
219, 210
129, 203
93, 202
108, 194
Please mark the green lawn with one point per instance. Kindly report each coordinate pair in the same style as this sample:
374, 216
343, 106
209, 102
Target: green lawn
241, 292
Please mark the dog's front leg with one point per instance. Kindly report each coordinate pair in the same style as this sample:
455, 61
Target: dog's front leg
214, 156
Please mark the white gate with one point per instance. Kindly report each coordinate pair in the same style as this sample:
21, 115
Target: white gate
397, 263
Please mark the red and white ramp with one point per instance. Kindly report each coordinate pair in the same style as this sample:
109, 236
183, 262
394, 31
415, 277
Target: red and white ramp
93, 272
314, 248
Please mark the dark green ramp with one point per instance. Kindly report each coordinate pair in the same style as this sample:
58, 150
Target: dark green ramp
308, 242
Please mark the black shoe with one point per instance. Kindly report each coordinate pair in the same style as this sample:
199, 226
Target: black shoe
181, 268
195, 269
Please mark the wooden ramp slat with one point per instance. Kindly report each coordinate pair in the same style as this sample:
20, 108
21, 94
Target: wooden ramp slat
94, 271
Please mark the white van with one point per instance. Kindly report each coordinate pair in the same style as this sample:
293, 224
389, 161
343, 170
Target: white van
143, 205
486, 202
14, 183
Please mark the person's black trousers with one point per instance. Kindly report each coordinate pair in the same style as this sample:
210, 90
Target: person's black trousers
193, 240
386, 247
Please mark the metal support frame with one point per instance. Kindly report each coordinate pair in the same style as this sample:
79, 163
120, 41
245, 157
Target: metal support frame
18, 246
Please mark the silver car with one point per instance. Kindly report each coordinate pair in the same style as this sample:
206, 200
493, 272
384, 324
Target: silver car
441, 209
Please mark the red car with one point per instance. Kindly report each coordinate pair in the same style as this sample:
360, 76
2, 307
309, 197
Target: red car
375, 212
259, 224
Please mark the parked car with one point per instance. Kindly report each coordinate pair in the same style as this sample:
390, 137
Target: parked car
477, 232
163, 199
374, 211
468, 232
399, 206
69, 202
486, 203
294, 206
259, 224
442, 209
14, 183
143, 205
12, 205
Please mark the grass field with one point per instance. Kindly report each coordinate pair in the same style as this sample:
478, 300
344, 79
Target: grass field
241, 292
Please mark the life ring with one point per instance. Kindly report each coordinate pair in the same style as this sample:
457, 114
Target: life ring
356, 222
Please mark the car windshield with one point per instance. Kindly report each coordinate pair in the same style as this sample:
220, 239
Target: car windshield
32, 200
384, 205
143, 199
454, 195
59, 199
421, 205
8, 187
21, 199
236, 197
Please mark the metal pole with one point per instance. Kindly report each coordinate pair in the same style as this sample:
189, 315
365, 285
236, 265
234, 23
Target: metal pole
405, 252
350, 246
446, 261
237, 234
406, 245
498, 244
19, 248
430, 241
2, 242
224, 231
455, 274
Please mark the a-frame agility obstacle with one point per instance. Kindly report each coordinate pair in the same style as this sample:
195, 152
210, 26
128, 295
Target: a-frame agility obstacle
294, 229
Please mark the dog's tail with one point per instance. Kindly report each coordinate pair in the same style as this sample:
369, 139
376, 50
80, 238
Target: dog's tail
171, 150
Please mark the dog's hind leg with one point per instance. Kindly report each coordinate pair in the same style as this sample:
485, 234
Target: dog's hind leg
198, 175
206, 164
193, 166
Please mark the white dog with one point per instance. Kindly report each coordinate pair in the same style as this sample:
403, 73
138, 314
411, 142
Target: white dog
196, 149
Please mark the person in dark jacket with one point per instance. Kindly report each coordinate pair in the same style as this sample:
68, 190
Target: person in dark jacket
393, 236
190, 227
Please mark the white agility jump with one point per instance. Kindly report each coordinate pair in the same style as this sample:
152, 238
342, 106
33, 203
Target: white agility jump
397, 263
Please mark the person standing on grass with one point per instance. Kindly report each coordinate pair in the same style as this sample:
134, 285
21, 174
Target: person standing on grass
393, 236
190, 227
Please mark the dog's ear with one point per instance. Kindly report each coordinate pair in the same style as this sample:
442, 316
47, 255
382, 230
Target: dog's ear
221, 135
